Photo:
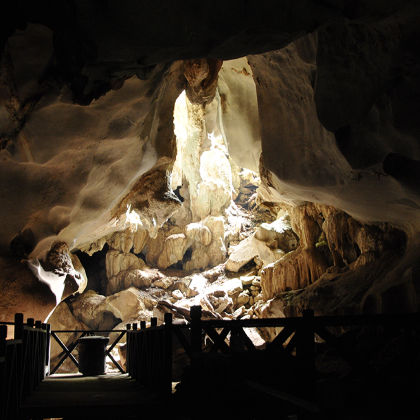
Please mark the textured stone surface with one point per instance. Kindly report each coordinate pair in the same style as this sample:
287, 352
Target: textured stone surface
63, 319
278, 235
334, 246
117, 262
23, 292
270, 242
128, 302
198, 232
173, 250
242, 254
87, 307
97, 310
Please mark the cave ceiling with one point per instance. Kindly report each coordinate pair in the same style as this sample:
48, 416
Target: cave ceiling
87, 94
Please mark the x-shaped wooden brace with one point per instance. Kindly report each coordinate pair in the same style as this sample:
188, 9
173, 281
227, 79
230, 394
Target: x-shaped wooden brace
67, 351
108, 352
277, 344
219, 339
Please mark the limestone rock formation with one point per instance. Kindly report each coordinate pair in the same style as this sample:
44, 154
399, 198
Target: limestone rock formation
118, 266
242, 254
63, 319
32, 287
197, 285
215, 191
199, 233
173, 250
136, 278
87, 308
233, 287
217, 249
278, 235
335, 246
270, 242
128, 302
93, 309
60, 261
202, 79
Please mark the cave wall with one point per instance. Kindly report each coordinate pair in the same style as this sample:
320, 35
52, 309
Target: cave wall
327, 75
69, 166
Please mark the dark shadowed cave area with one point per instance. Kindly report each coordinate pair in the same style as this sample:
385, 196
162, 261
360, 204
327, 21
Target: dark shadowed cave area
256, 159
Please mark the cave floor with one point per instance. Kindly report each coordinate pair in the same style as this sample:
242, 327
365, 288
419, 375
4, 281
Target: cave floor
74, 396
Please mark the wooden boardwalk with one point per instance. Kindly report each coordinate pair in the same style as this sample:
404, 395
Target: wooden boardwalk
110, 396
284, 373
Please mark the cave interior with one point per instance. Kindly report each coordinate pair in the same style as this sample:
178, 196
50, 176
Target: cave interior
254, 158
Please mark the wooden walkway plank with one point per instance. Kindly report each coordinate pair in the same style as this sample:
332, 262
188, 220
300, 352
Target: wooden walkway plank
78, 396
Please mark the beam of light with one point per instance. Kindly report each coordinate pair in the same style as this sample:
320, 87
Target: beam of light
54, 281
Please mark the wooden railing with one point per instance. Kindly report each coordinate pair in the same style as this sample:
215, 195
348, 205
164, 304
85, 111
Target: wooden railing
296, 341
68, 350
149, 355
149, 349
24, 362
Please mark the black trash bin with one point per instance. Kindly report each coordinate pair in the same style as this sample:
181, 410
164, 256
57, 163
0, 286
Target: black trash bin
92, 355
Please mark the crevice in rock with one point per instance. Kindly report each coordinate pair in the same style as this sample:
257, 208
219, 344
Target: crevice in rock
94, 266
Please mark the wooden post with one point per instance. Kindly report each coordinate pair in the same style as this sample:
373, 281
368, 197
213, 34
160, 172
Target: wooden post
196, 348
195, 313
237, 343
30, 322
305, 351
142, 325
128, 354
3, 369
167, 357
3, 336
18, 335
47, 328
38, 324
153, 322
134, 352
18, 326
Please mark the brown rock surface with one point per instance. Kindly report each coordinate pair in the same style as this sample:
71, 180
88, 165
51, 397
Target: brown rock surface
23, 293
63, 319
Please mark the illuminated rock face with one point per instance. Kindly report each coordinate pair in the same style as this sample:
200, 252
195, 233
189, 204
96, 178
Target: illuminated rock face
341, 264
35, 288
86, 119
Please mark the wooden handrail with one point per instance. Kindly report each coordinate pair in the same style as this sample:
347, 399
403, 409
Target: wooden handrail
326, 321
23, 363
87, 331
